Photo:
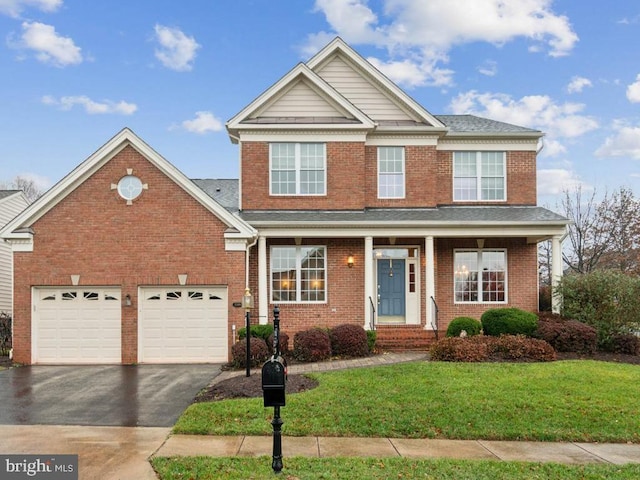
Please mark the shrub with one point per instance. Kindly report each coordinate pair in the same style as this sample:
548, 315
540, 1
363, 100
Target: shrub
456, 349
566, 335
508, 321
259, 353
258, 331
312, 345
608, 301
372, 336
349, 340
482, 348
626, 343
5, 333
544, 298
284, 343
468, 324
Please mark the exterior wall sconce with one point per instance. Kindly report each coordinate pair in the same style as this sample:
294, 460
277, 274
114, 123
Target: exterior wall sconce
350, 261
127, 300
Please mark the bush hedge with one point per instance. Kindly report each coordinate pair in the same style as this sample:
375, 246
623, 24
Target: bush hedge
508, 321
566, 335
258, 331
5, 333
468, 324
626, 343
349, 340
312, 345
284, 343
372, 336
482, 348
259, 353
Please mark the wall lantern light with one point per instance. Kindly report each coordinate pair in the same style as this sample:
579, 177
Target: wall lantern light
350, 261
127, 300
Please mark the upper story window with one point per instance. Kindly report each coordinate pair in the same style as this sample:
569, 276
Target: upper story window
391, 172
479, 176
297, 168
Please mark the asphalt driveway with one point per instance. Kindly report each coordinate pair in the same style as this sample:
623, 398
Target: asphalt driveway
113, 395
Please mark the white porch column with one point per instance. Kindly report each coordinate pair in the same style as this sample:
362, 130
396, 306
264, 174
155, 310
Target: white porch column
369, 290
430, 280
263, 304
556, 272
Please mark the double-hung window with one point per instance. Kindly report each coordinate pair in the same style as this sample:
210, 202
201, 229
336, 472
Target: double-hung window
391, 172
298, 274
480, 276
479, 176
297, 168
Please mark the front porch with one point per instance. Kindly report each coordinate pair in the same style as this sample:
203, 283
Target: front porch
404, 338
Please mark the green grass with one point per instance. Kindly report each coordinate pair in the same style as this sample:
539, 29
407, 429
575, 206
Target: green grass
560, 401
297, 468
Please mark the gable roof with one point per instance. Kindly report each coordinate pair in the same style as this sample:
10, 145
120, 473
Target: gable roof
388, 89
471, 124
19, 227
347, 115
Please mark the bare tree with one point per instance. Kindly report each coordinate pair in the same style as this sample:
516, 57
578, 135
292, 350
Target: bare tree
590, 232
29, 187
623, 217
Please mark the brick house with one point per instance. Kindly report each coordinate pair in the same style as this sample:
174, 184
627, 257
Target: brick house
354, 204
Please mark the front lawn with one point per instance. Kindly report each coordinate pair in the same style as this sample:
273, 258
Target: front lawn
207, 468
560, 401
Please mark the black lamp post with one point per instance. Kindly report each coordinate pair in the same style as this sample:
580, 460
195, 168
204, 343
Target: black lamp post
247, 304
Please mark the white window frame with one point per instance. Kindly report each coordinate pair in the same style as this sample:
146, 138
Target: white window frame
401, 174
299, 256
479, 176
298, 169
479, 281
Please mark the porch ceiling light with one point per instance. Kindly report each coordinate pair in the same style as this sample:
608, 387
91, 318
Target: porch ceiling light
350, 261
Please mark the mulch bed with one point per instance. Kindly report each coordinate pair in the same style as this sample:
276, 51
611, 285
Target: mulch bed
251, 387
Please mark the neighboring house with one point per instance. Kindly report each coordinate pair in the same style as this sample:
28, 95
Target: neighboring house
354, 205
12, 202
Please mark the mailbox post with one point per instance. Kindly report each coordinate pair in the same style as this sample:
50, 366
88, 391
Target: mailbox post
274, 377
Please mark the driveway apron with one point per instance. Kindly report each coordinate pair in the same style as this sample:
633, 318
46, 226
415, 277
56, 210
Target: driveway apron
112, 395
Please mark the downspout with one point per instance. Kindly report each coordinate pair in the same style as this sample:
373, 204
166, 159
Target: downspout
246, 260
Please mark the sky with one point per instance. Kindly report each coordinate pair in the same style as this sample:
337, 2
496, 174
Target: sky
73, 73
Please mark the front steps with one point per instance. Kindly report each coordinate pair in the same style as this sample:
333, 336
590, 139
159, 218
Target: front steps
404, 337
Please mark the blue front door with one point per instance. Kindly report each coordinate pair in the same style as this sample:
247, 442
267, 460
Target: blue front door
391, 288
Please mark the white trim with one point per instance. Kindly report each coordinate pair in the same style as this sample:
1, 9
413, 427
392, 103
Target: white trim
404, 140
273, 92
475, 145
369, 282
479, 252
301, 136
263, 281
430, 282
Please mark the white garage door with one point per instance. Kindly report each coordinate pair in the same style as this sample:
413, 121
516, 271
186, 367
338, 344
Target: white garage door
76, 325
182, 325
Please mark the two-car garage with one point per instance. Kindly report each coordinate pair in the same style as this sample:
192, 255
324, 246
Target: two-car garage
83, 325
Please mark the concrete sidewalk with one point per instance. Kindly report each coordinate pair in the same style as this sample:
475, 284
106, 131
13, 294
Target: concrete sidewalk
559, 452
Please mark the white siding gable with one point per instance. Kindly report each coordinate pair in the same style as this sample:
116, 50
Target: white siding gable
10, 206
356, 88
300, 100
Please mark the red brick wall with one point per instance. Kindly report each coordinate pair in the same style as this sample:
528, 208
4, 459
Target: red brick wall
94, 234
522, 278
352, 179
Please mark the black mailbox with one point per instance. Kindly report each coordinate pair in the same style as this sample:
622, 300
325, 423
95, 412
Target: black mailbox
274, 377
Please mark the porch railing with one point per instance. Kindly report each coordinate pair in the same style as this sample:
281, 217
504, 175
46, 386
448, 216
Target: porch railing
434, 321
372, 314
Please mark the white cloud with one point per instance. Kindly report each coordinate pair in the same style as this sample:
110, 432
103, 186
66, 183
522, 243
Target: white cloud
177, 51
577, 84
554, 181
633, 91
90, 106
534, 111
624, 143
14, 8
488, 68
50, 47
205, 122
423, 32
